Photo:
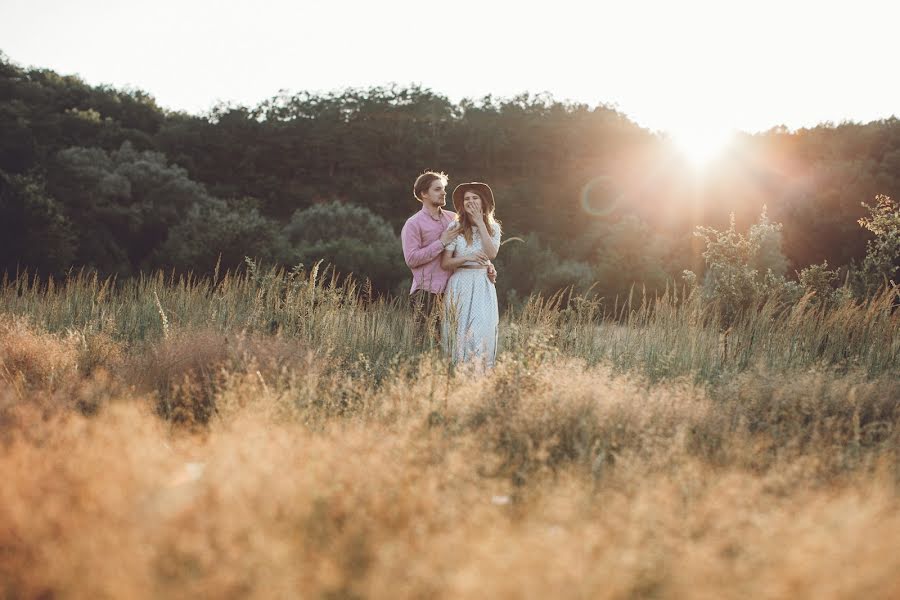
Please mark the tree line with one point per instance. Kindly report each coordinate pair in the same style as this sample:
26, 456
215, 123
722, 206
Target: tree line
99, 177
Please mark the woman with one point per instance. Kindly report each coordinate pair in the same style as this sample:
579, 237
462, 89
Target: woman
471, 316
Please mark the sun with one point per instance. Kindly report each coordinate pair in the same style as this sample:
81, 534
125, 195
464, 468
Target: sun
701, 146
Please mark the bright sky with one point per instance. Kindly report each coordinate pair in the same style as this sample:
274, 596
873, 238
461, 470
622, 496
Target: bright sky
686, 65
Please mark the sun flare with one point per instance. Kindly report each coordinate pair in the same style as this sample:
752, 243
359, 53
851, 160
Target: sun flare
701, 146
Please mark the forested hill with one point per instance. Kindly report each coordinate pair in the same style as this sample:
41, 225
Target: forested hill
102, 177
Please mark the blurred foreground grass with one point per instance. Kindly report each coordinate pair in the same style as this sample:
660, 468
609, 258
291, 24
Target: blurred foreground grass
280, 435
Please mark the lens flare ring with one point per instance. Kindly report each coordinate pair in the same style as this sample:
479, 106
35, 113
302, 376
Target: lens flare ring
600, 197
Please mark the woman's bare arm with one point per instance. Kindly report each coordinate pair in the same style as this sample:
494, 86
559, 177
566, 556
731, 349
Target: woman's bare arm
451, 263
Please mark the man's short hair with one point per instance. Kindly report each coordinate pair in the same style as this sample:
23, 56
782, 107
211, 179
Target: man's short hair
424, 181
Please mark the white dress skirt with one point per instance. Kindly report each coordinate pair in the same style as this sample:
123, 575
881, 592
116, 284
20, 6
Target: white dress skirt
471, 317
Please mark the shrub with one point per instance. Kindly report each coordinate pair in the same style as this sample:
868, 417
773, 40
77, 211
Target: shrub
743, 270
215, 231
351, 238
882, 260
819, 280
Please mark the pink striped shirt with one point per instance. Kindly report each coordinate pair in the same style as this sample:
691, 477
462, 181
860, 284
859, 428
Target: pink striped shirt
422, 249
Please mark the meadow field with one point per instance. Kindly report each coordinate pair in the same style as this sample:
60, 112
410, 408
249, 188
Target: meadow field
273, 434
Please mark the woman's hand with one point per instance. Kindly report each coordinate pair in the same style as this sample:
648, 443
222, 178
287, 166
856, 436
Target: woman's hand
474, 213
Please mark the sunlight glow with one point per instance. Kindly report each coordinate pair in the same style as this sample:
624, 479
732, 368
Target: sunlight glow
700, 146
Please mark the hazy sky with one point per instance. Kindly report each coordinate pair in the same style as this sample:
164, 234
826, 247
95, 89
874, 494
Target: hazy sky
667, 65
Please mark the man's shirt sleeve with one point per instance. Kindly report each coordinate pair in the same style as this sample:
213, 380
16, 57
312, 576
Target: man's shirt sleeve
415, 254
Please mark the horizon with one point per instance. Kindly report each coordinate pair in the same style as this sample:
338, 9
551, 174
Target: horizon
203, 112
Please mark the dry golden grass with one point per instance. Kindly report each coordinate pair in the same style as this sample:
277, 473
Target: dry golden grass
224, 464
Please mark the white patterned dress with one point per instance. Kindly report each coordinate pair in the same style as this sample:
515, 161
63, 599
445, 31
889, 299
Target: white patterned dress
471, 316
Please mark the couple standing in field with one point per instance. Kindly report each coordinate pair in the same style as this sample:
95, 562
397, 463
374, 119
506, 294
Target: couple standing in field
450, 257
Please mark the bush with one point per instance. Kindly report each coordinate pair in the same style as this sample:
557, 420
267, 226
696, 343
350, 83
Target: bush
743, 270
819, 280
220, 231
882, 260
533, 267
351, 238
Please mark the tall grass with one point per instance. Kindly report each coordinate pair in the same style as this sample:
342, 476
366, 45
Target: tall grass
665, 336
307, 306
273, 434
672, 335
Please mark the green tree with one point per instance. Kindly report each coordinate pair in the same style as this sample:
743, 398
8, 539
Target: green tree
124, 201
34, 231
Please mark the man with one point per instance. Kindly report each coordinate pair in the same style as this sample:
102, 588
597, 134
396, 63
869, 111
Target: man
424, 237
